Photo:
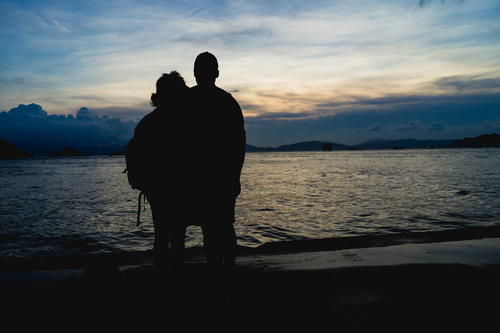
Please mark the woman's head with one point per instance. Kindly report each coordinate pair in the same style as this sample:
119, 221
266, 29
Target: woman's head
168, 88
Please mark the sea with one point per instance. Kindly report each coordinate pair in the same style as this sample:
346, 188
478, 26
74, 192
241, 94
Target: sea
84, 205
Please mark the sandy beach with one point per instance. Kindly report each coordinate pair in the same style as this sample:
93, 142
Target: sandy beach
412, 281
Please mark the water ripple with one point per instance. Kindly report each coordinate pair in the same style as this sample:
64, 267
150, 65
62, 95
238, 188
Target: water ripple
84, 205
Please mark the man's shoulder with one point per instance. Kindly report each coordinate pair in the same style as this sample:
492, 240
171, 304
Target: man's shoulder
222, 91
215, 96
227, 97
210, 91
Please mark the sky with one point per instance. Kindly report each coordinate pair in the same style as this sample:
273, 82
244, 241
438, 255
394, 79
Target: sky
337, 70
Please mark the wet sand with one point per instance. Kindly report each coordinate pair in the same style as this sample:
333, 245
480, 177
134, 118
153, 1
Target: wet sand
400, 282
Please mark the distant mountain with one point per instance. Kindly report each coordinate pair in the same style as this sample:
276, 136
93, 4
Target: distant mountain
405, 144
368, 145
300, 146
482, 141
8, 150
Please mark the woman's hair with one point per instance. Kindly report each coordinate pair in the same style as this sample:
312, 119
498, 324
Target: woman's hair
168, 86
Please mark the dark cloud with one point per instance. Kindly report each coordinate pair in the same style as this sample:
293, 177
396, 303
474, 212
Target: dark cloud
281, 116
404, 101
411, 125
389, 100
84, 114
454, 90
32, 129
374, 127
31, 112
437, 126
465, 113
468, 83
89, 98
493, 128
123, 112
23, 82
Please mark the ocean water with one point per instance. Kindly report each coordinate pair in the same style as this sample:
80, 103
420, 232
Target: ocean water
84, 205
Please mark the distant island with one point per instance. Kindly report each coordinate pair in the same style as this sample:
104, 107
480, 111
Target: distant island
368, 145
300, 146
482, 141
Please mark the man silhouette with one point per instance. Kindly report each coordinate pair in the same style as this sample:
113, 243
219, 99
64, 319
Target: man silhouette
218, 135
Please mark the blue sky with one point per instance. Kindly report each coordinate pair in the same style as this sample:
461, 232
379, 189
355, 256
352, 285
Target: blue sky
345, 71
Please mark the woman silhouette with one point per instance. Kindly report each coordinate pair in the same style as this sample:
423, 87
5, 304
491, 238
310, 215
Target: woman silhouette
156, 136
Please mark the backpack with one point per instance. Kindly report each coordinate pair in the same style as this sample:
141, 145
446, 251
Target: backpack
136, 174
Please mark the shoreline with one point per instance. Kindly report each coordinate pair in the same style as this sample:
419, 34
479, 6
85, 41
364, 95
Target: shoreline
195, 254
411, 281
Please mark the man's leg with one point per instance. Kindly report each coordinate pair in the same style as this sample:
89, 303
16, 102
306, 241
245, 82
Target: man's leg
219, 236
227, 234
229, 245
177, 243
212, 245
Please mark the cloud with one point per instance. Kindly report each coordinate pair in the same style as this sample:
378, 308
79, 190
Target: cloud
125, 113
116, 49
287, 62
475, 92
236, 35
464, 92
411, 125
374, 127
468, 83
437, 126
32, 129
449, 114
31, 112
424, 3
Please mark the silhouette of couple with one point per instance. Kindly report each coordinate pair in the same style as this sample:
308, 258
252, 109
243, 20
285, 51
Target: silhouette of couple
193, 149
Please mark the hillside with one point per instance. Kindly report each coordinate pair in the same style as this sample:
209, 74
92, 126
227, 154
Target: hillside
368, 145
300, 146
482, 141
8, 150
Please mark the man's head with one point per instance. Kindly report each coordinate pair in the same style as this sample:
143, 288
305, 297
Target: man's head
206, 69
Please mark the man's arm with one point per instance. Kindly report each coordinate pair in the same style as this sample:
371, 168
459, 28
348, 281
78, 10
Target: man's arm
237, 142
240, 135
